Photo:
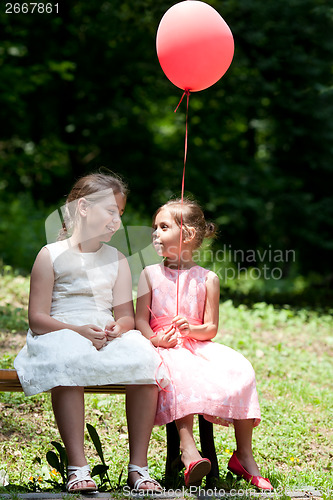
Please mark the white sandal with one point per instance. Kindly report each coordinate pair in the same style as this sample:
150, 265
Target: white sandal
145, 477
82, 474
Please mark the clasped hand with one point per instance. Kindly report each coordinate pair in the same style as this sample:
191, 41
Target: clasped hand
100, 337
168, 338
181, 324
112, 330
93, 333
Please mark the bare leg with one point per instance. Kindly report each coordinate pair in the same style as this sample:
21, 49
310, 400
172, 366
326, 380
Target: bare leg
68, 408
243, 434
188, 449
141, 402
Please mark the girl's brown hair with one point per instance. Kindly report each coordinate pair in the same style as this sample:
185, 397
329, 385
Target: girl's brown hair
94, 187
193, 218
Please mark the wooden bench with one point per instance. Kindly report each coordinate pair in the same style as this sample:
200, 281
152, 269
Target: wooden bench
9, 382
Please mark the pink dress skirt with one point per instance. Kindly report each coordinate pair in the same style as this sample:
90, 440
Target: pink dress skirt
208, 378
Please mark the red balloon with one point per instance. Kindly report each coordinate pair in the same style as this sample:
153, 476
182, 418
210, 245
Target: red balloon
194, 45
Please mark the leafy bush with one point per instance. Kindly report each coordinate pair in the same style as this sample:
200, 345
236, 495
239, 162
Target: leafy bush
22, 231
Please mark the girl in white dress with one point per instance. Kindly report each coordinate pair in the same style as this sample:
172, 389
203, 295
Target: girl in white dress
81, 332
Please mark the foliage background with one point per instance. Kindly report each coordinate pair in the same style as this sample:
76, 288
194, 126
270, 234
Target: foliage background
84, 88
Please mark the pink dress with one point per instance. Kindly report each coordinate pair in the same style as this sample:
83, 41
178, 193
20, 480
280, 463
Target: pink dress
208, 378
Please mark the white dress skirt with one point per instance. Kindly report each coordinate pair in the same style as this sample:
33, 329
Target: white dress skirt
82, 294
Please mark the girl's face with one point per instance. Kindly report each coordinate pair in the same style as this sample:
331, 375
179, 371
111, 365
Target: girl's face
103, 219
166, 235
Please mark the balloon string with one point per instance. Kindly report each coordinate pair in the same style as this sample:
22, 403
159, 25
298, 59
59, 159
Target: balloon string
187, 93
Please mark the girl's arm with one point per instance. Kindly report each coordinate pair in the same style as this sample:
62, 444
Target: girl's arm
40, 299
143, 302
209, 328
123, 310
142, 316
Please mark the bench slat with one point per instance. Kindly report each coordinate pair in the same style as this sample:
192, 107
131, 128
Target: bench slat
9, 382
8, 375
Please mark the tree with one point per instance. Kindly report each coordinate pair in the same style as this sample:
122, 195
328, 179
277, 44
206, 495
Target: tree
84, 88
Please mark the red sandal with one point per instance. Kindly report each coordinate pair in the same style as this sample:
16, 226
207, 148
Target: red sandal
196, 471
260, 482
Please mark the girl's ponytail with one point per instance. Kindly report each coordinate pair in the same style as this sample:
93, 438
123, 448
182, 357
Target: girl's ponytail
63, 233
211, 229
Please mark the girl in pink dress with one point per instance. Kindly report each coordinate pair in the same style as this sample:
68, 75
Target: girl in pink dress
178, 310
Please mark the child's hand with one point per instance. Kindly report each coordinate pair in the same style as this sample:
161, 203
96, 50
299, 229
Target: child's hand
181, 324
165, 338
93, 333
112, 330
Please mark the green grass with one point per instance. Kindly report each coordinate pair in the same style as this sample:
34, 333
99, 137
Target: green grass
291, 350
14, 291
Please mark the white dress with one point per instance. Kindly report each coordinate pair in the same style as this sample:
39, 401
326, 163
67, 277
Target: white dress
82, 294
